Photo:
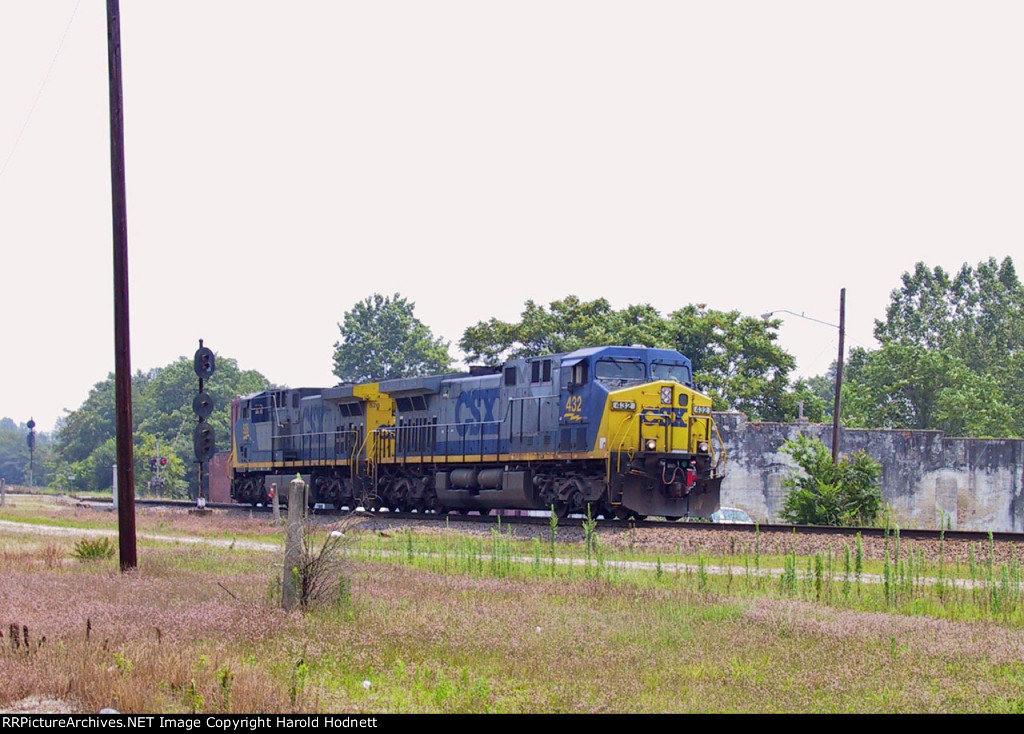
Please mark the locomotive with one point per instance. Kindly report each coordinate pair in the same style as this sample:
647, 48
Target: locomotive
615, 430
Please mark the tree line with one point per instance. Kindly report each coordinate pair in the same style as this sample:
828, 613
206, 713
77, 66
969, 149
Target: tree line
949, 358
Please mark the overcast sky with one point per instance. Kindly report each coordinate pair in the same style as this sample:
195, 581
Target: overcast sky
285, 160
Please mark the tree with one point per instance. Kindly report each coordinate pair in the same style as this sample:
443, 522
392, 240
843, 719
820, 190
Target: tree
736, 359
382, 339
905, 385
952, 355
824, 493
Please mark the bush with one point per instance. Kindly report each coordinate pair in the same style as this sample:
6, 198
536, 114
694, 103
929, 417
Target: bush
823, 493
97, 549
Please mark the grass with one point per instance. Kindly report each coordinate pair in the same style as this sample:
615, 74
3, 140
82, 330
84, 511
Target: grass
449, 622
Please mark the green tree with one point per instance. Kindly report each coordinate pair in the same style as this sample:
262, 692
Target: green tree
951, 355
824, 493
736, 359
382, 339
903, 385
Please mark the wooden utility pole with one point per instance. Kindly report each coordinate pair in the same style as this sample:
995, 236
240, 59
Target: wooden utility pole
839, 379
122, 347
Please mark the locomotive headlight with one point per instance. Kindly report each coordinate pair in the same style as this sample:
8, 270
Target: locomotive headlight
666, 395
702, 447
650, 444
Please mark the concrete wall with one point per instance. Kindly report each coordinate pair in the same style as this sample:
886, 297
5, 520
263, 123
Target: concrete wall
976, 483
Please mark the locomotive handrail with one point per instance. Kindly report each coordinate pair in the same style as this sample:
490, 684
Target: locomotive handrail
624, 430
300, 438
723, 458
356, 451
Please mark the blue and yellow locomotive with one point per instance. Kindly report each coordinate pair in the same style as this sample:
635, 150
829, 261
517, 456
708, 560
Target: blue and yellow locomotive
620, 429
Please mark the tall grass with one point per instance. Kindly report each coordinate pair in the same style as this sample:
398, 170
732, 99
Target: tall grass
904, 582
449, 622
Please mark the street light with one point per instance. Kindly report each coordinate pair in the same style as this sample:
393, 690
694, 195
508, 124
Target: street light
839, 364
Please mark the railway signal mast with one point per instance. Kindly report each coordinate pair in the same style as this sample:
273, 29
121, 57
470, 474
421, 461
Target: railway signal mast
31, 451
202, 438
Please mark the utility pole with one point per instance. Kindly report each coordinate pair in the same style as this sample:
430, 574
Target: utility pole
122, 346
839, 379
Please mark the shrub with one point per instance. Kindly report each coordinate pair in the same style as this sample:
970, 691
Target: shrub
823, 493
93, 549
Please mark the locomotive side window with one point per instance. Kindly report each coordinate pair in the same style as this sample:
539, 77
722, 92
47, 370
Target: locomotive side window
350, 409
510, 376
574, 374
540, 371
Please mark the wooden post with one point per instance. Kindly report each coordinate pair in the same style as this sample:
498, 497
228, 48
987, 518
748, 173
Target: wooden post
3, 492
291, 582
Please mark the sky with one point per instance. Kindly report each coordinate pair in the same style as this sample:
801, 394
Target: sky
286, 160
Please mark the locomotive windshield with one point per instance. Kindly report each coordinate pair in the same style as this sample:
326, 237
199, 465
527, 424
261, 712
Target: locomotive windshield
620, 371
669, 371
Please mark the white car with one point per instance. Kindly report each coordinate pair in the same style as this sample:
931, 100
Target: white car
732, 515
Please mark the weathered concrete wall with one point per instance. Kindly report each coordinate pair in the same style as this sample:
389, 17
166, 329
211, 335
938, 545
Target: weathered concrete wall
927, 478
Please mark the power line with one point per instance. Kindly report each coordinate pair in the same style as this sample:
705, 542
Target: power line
39, 93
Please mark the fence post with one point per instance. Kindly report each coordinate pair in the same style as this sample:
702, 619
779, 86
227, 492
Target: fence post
3, 492
291, 581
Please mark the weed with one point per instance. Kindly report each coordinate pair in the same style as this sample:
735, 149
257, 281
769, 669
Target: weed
194, 700
123, 663
300, 675
52, 555
93, 549
225, 676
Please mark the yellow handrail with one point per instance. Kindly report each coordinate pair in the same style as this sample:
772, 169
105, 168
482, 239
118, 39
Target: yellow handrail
622, 440
724, 457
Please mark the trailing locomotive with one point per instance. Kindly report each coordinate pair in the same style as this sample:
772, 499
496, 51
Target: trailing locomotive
620, 429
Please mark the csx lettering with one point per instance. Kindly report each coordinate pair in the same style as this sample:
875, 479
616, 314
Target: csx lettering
474, 412
675, 417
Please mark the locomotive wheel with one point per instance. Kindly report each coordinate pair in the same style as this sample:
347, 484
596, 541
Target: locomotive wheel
673, 518
561, 509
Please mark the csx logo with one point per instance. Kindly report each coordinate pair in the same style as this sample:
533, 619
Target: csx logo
475, 413
675, 417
